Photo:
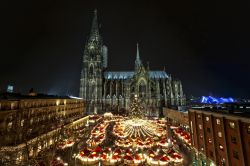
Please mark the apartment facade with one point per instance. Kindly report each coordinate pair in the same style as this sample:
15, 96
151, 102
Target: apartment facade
222, 137
29, 125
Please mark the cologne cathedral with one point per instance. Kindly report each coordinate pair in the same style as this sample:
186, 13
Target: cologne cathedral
113, 90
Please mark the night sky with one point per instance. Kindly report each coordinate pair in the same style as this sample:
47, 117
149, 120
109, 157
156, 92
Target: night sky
205, 44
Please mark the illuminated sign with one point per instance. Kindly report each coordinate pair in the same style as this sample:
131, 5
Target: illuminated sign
214, 100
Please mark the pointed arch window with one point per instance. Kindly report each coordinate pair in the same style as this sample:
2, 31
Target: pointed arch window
142, 89
91, 70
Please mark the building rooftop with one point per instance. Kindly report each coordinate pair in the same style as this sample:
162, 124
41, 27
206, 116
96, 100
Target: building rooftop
18, 96
113, 75
235, 109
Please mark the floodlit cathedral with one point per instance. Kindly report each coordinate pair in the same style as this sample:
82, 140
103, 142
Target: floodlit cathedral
103, 89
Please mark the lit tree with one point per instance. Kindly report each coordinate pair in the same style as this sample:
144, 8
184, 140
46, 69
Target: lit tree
136, 110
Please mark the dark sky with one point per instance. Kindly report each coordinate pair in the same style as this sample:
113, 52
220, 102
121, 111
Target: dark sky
206, 44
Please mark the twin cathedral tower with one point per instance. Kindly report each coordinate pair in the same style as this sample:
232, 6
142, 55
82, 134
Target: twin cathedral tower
103, 89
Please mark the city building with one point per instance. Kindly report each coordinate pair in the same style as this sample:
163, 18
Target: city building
102, 88
221, 135
30, 124
176, 117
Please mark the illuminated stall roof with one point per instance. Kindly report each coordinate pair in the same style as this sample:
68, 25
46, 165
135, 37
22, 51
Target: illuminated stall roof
114, 75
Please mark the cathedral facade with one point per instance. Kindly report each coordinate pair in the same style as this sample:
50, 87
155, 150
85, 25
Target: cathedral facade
104, 90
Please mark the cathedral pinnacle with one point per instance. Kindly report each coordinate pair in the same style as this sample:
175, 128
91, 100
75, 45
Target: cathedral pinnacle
148, 66
138, 60
137, 53
94, 33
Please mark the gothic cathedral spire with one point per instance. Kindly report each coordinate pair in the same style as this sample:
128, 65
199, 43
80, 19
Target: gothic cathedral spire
94, 44
137, 60
94, 33
94, 60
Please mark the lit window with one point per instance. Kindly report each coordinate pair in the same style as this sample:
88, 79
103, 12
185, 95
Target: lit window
232, 125
221, 147
199, 116
9, 125
12, 105
219, 134
248, 130
201, 136
200, 126
50, 142
191, 126
207, 119
31, 152
218, 121
22, 122
223, 161
210, 140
